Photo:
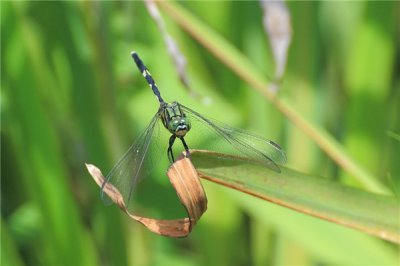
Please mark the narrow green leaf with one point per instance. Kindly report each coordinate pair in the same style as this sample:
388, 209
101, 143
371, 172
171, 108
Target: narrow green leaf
9, 250
40, 158
374, 214
393, 135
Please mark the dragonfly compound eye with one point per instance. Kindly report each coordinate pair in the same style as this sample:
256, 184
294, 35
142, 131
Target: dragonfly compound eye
187, 123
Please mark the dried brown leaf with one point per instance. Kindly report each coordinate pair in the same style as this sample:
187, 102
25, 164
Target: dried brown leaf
185, 180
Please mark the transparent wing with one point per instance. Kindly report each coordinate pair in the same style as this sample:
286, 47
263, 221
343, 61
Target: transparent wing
225, 139
136, 163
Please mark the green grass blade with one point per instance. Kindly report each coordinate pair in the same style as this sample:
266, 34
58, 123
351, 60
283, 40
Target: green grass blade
9, 251
350, 247
374, 214
244, 68
37, 147
393, 135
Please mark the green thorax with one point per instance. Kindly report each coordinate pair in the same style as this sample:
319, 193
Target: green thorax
174, 119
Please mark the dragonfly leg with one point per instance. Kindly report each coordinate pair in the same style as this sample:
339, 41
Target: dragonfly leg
170, 153
186, 147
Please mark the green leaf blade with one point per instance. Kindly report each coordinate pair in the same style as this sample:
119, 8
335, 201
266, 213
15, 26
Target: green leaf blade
374, 214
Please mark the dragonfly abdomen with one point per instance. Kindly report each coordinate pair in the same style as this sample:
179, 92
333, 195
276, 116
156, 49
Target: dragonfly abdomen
146, 74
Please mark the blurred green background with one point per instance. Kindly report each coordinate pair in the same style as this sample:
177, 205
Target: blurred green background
70, 94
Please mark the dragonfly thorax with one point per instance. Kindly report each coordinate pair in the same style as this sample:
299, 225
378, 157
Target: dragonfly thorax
174, 119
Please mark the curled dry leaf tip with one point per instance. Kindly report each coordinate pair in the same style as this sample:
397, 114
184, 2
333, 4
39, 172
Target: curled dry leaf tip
185, 180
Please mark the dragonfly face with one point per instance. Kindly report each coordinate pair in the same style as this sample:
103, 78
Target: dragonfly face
175, 120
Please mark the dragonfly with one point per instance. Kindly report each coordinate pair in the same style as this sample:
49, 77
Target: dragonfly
174, 121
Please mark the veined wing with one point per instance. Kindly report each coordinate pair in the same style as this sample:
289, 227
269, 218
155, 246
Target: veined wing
131, 168
238, 142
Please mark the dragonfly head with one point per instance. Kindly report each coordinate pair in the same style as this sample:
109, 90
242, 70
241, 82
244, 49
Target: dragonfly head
175, 120
179, 126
